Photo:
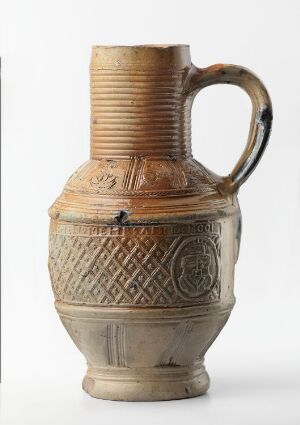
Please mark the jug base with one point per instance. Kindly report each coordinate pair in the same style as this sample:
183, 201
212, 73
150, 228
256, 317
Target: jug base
147, 384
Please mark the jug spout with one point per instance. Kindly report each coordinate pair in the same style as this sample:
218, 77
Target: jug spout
138, 103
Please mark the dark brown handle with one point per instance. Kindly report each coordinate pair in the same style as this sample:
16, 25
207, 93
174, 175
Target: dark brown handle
261, 121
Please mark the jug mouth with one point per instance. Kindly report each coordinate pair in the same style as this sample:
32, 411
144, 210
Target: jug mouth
129, 46
143, 56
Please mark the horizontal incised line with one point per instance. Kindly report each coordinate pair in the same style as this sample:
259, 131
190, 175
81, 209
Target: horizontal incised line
138, 134
137, 81
141, 106
127, 103
133, 90
138, 70
145, 194
139, 139
146, 97
107, 124
146, 135
139, 86
168, 149
165, 117
112, 153
173, 116
136, 86
127, 76
99, 129
140, 111
148, 144
117, 109
131, 82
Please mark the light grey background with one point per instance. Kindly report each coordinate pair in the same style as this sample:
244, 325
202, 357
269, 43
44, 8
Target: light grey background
254, 364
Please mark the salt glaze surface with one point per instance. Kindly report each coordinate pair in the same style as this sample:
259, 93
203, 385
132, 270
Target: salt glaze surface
144, 239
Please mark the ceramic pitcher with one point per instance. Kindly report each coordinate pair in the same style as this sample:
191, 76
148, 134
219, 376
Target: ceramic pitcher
144, 238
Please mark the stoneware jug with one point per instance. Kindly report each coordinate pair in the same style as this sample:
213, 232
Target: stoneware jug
144, 238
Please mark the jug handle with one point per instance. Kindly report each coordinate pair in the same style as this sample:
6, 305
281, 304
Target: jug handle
261, 121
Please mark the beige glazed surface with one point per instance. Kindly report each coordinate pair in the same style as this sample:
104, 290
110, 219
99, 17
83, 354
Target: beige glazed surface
144, 239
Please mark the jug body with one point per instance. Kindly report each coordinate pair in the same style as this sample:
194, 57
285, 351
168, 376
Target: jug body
144, 238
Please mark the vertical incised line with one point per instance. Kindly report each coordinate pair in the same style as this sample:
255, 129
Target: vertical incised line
116, 344
134, 172
139, 173
127, 175
172, 354
108, 339
178, 178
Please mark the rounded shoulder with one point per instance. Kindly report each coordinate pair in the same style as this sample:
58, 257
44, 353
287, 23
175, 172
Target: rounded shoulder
141, 188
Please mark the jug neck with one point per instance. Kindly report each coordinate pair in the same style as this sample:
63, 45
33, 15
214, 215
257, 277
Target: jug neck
138, 104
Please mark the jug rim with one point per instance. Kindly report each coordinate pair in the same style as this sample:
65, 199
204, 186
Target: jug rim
129, 46
141, 57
